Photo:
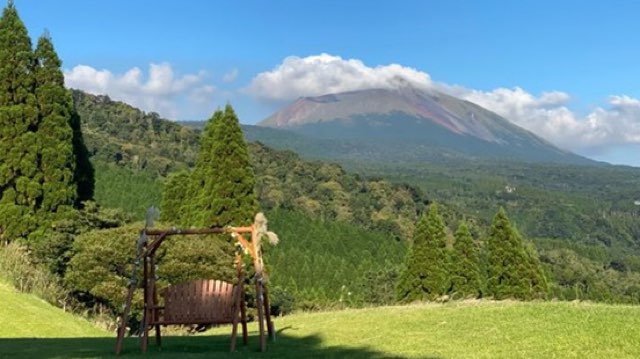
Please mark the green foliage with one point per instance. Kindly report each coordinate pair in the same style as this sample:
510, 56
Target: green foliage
426, 275
18, 268
185, 258
222, 183
132, 191
327, 191
20, 177
174, 196
465, 265
51, 247
118, 133
101, 266
54, 134
576, 273
325, 263
513, 271
102, 262
38, 174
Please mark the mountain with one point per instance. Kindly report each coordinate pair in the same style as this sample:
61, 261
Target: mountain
416, 125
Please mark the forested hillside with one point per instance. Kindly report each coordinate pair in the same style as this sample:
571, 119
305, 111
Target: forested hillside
582, 218
118, 133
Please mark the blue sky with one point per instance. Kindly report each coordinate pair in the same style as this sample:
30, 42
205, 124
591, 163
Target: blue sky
566, 70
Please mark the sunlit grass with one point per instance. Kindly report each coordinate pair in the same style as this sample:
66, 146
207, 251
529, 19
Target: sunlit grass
474, 329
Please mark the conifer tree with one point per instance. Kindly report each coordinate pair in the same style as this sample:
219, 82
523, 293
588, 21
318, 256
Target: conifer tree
20, 176
465, 265
223, 180
54, 134
173, 196
426, 275
512, 273
220, 193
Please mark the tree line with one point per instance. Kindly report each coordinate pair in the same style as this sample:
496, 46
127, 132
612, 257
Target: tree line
436, 268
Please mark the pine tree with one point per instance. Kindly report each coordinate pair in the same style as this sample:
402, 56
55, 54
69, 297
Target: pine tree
54, 134
20, 176
512, 272
465, 265
426, 275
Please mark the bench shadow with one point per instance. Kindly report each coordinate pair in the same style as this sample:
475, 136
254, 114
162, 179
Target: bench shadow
199, 346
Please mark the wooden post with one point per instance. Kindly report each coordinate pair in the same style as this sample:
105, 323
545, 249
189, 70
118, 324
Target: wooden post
125, 317
259, 305
267, 309
237, 296
243, 316
145, 318
154, 297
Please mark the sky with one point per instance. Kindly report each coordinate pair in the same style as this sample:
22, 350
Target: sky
566, 70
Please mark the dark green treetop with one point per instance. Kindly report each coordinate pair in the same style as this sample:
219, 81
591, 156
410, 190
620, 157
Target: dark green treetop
426, 275
54, 132
20, 177
223, 177
465, 265
511, 272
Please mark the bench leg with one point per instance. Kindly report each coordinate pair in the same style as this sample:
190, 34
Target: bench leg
234, 334
158, 336
243, 320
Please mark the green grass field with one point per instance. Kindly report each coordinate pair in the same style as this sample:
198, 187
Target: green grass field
33, 329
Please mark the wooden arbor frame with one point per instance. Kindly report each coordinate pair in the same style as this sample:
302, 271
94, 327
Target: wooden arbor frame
146, 252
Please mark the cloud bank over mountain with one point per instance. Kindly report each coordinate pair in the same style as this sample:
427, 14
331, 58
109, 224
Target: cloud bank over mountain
547, 114
193, 96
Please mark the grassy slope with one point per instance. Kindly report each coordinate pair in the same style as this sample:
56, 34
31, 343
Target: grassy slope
458, 330
24, 315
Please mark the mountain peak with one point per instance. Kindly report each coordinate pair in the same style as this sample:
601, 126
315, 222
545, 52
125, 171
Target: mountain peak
424, 116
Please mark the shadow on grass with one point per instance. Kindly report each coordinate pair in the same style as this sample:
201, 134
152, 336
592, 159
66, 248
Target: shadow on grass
199, 346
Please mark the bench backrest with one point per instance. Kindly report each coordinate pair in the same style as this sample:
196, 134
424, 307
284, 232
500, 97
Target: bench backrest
199, 302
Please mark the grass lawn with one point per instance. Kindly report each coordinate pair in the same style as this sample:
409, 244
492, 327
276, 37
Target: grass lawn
32, 329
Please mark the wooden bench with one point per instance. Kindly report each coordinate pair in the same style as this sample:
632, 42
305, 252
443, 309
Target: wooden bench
201, 302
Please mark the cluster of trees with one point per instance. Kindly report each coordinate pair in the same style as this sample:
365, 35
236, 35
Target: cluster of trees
45, 173
436, 268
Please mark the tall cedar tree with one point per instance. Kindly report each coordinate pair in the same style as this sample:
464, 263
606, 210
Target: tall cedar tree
220, 193
512, 272
465, 265
426, 275
223, 177
54, 132
21, 180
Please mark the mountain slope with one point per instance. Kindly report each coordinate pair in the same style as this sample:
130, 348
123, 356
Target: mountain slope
417, 125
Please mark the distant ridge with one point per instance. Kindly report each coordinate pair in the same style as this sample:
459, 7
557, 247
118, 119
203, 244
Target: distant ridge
416, 121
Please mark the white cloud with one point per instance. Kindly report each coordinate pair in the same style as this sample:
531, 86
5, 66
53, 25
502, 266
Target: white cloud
322, 74
546, 115
162, 91
230, 76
